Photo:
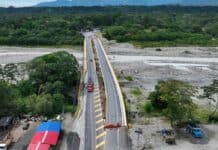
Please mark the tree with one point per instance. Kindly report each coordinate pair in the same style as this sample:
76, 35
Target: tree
209, 92
173, 97
7, 99
40, 104
54, 73
25, 88
58, 102
212, 29
9, 72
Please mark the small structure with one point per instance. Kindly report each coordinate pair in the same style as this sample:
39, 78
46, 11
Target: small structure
46, 135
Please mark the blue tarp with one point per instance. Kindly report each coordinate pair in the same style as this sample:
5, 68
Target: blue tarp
52, 126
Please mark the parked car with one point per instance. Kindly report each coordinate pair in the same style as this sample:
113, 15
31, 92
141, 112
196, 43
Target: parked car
194, 130
169, 136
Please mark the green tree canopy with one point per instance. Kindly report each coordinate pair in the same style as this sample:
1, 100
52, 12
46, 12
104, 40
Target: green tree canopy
173, 97
54, 73
211, 89
7, 99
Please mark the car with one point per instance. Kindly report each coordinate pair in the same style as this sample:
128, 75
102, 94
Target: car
26, 126
194, 130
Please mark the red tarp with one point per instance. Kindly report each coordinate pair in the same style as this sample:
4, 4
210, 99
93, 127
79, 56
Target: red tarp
45, 138
38, 146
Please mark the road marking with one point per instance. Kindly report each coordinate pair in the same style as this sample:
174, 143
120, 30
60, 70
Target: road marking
97, 106
97, 97
100, 145
96, 87
99, 128
101, 135
97, 102
98, 110
99, 115
96, 93
99, 121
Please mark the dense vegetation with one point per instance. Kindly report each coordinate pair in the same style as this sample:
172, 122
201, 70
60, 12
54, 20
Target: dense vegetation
174, 99
143, 26
211, 92
51, 83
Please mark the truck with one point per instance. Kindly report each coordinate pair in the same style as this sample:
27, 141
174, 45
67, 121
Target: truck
169, 136
194, 130
90, 86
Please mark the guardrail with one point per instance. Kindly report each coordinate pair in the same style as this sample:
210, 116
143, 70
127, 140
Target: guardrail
123, 111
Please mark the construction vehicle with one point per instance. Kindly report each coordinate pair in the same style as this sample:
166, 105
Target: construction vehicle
168, 136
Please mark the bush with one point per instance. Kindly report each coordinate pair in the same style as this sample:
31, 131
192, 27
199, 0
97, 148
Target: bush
129, 78
136, 92
148, 107
213, 118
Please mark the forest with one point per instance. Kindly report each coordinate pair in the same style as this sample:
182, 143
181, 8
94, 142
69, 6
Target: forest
46, 85
142, 26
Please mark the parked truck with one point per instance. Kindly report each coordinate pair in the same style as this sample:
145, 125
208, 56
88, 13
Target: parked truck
168, 136
194, 130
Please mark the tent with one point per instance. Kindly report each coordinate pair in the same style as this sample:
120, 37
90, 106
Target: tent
46, 137
53, 126
38, 146
46, 134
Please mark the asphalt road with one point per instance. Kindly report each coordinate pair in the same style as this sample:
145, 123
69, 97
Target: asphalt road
90, 134
116, 139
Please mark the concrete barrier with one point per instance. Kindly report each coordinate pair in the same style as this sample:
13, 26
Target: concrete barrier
123, 111
81, 79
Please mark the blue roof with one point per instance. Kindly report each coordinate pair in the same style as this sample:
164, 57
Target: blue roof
52, 126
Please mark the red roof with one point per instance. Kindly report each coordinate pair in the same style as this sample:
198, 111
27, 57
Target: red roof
38, 146
45, 138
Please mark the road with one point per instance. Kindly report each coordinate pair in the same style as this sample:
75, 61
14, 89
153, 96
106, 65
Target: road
116, 139
90, 135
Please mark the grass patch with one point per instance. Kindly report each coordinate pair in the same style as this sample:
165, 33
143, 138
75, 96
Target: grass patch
129, 78
201, 115
70, 108
136, 92
148, 108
